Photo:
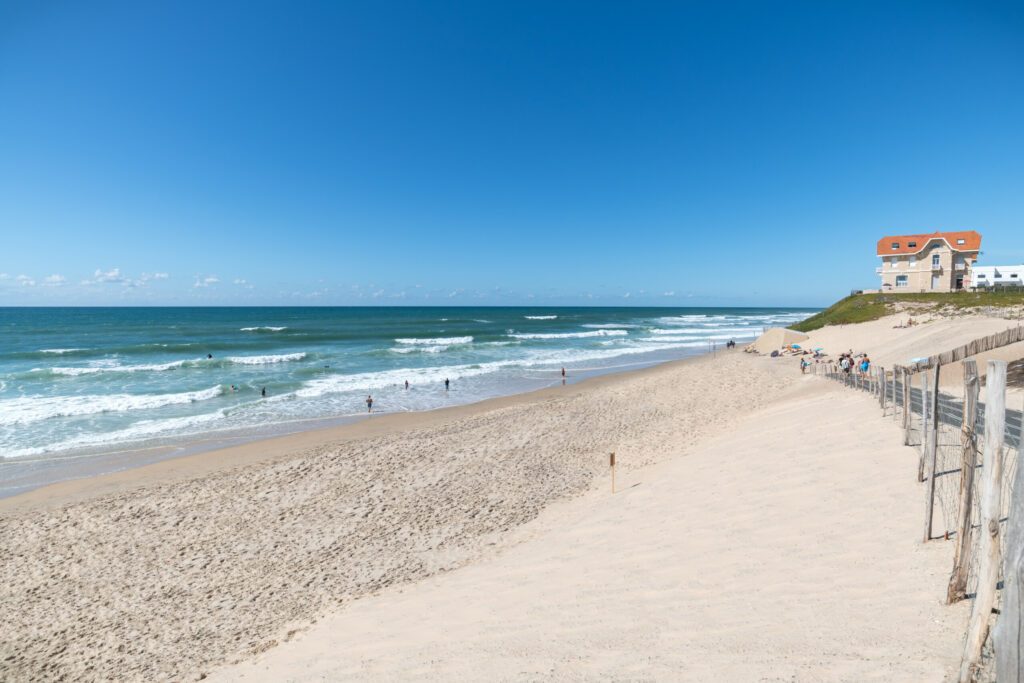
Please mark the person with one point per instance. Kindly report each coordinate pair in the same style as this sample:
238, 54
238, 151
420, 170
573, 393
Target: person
563, 373
406, 385
209, 355
803, 366
369, 404
844, 363
263, 392
446, 384
865, 365
234, 388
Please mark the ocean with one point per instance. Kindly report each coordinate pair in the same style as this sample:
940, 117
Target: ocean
80, 383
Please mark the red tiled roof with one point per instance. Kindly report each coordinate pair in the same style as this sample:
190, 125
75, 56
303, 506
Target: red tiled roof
972, 242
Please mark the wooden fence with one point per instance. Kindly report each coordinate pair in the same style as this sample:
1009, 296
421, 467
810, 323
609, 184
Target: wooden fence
968, 451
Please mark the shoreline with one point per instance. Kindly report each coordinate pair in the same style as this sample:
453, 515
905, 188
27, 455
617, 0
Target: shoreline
171, 570
218, 456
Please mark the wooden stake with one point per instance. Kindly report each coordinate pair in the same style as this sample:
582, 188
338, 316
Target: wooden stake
991, 499
1006, 637
968, 464
933, 449
924, 426
611, 461
907, 413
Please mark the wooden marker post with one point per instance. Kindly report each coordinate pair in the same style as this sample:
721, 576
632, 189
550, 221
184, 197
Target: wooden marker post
611, 462
968, 464
991, 501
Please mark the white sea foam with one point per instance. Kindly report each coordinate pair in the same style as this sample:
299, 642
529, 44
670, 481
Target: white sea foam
264, 360
26, 409
140, 430
610, 326
540, 317
108, 367
437, 341
263, 328
417, 348
571, 335
59, 351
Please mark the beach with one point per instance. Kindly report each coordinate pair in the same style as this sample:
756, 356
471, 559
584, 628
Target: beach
758, 532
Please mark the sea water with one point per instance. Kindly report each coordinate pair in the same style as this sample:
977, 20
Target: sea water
77, 383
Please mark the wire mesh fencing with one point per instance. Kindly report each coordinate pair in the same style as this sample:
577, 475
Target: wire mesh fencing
946, 425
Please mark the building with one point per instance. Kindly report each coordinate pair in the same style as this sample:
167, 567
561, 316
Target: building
936, 262
993, 277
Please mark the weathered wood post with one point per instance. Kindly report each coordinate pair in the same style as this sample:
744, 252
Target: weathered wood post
968, 465
932, 455
880, 388
894, 370
924, 426
1009, 628
908, 413
991, 499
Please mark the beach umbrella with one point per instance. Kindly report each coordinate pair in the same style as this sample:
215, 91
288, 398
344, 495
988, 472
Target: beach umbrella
795, 346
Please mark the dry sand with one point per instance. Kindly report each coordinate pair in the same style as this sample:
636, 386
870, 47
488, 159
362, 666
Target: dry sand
165, 577
786, 550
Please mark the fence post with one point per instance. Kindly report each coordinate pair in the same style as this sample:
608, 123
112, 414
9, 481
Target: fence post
880, 388
908, 413
968, 465
1006, 635
894, 394
991, 499
932, 454
924, 426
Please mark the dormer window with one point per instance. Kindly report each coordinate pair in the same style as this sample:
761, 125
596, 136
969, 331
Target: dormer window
960, 241
911, 244
895, 245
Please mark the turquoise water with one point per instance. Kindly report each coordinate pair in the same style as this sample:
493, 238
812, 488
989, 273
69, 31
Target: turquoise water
85, 381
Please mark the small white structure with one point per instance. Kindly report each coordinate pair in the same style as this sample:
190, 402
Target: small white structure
988, 277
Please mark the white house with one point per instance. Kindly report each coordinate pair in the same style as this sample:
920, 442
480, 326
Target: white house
997, 276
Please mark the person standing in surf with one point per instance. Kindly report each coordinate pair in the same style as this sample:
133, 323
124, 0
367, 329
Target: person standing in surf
369, 404
446, 384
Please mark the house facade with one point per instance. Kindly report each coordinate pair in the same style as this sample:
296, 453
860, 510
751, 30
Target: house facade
935, 262
995, 277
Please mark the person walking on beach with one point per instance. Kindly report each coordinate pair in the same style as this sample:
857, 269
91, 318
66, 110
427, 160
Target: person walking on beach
369, 404
446, 384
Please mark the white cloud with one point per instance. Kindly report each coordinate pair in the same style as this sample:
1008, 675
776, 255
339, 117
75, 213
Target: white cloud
627, 295
112, 275
54, 280
145, 277
26, 281
240, 281
206, 281
4, 276
668, 293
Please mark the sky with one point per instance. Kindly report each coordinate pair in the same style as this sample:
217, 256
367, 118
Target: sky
497, 153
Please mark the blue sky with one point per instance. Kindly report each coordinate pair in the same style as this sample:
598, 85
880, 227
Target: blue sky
497, 153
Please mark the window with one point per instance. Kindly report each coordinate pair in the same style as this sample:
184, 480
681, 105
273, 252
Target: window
901, 280
911, 244
1014, 275
895, 245
912, 261
960, 241
935, 259
981, 276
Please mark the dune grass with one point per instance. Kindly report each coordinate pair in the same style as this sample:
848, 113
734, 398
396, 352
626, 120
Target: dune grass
859, 308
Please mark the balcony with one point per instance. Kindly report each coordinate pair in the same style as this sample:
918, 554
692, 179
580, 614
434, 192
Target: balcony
960, 266
936, 266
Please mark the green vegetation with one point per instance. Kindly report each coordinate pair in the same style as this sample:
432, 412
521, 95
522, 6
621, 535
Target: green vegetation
860, 308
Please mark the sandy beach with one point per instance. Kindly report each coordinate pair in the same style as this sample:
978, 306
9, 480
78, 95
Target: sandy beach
758, 533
